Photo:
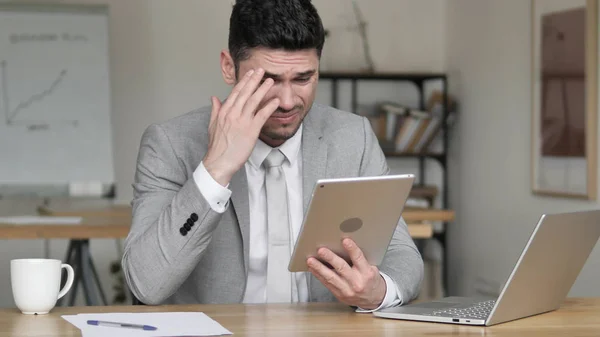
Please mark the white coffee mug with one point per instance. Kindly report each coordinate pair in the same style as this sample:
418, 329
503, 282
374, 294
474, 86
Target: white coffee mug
36, 284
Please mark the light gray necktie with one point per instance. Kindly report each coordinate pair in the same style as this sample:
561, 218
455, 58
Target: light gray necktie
279, 279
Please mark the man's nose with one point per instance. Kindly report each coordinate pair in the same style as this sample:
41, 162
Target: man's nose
286, 97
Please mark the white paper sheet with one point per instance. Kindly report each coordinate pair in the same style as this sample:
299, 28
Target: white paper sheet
168, 324
40, 220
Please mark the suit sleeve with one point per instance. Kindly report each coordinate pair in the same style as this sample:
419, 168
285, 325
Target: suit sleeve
403, 262
172, 223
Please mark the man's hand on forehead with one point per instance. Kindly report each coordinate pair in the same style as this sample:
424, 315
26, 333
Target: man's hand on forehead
235, 125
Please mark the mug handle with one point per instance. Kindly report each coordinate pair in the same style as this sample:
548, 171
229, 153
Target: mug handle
69, 283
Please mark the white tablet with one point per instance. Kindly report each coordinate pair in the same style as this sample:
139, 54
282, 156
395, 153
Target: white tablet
365, 209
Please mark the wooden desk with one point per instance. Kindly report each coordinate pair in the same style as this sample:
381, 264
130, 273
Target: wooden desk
419, 221
102, 221
413, 217
95, 227
86, 210
409, 214
412, 214
577, 317
99, 228
89, 228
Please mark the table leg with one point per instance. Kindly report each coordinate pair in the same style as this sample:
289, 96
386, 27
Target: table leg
74, 262
79, 257
97, 279
85, 274
73, 291
69, 260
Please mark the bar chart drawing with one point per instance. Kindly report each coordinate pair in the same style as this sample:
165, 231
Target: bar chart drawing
12, 114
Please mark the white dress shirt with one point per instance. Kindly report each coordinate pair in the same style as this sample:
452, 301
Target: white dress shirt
218, 198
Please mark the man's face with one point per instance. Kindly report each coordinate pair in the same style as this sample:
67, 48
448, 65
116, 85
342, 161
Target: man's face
295, 75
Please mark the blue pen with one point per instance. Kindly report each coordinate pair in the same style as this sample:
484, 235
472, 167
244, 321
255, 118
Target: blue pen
122, 325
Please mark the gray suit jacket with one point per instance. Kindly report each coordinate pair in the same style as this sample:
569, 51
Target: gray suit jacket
209, 263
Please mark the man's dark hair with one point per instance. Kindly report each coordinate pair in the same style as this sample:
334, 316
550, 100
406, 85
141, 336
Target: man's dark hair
275, 24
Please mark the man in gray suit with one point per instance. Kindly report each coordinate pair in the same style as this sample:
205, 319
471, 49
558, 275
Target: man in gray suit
206, 220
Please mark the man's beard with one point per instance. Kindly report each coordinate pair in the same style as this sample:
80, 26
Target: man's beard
274, 135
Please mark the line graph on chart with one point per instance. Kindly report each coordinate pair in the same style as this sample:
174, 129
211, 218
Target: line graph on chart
13, 116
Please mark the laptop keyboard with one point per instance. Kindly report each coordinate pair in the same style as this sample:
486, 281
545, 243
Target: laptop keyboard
479, 310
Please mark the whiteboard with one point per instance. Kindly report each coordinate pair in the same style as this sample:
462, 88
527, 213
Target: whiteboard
55, 104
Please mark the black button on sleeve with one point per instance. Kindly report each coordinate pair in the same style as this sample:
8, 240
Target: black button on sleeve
187, 227
183, 231
190, 222
194, 217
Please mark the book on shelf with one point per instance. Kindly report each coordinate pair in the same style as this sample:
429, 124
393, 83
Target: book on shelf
426, 192
410, 130
416, 203
401, 129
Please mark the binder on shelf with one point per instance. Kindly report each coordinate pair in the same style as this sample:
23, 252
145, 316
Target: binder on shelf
404, 130
428, 135
414, 124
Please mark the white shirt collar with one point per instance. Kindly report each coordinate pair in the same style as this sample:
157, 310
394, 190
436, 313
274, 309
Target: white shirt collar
290, 149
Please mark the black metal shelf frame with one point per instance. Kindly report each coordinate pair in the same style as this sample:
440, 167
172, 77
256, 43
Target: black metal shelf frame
419, 80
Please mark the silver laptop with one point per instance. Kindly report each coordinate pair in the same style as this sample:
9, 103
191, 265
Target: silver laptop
541, 279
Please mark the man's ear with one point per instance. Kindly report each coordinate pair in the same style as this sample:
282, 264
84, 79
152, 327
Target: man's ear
227, 67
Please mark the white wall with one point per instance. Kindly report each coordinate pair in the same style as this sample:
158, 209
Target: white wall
164, 57
404, 36
488, 58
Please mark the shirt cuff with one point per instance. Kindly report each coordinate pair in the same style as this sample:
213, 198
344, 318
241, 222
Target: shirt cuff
392, 296
216, 195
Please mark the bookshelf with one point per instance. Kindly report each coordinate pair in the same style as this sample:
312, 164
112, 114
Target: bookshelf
419, 80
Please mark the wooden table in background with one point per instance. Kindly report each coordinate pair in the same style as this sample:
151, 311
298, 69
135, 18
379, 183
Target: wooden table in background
418, 221
74, 209
104, 221
88, 228
577, 317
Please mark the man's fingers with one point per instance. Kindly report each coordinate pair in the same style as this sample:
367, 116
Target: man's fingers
263, 114
247, 91
237, 89
329, 278
356, 255
216, 107
340, 266
252, 103
335, 291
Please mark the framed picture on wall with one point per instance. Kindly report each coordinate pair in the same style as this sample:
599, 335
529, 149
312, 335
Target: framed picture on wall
564, 98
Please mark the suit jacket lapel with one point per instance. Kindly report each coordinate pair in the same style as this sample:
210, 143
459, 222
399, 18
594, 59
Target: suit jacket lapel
314, 167
314, 157
239, 198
